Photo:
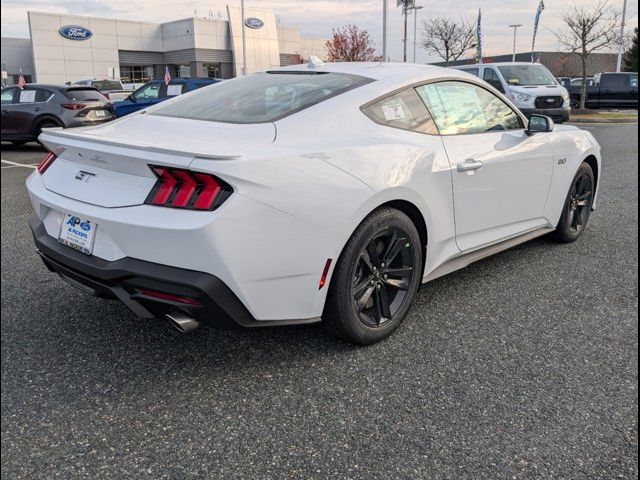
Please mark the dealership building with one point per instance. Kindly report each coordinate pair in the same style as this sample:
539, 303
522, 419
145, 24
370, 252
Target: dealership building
64, 48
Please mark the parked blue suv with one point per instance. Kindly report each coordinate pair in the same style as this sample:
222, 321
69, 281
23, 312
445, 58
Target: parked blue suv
157, 91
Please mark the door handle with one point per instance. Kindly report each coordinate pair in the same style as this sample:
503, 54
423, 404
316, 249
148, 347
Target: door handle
469, 166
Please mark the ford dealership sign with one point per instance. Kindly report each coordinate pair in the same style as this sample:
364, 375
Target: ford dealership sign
74, 32
254, 23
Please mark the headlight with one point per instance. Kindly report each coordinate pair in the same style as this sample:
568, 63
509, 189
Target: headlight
566, 96
522, 97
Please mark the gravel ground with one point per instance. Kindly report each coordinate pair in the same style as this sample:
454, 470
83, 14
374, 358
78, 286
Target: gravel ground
524, 365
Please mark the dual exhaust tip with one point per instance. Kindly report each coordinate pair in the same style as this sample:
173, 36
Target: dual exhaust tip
182, 322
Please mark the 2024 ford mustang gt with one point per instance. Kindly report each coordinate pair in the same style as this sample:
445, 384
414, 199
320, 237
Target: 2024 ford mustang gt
317, 192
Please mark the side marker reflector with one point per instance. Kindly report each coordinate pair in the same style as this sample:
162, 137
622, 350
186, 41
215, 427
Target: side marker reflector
325, 273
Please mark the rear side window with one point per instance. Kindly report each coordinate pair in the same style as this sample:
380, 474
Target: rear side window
7, 95
34, 95
464, 108
634, 81
85, 95
404, 110
260, 98
473, 71
615, 81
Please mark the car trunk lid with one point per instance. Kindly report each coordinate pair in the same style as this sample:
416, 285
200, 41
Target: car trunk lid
108, 165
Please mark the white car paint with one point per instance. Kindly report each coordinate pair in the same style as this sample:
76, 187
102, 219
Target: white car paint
301, 187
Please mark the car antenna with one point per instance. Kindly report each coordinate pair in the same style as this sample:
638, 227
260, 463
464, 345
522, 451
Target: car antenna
315, 62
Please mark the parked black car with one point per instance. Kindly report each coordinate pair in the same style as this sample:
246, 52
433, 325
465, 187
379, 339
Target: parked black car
25, 112
610, 90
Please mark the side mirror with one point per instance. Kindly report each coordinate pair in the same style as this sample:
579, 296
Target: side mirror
540, 124
131, 98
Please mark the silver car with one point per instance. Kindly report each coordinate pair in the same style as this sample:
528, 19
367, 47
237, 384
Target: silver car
26, 111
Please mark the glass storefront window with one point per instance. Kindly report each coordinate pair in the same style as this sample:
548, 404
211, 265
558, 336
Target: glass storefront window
183, 71
136, 73
213, 70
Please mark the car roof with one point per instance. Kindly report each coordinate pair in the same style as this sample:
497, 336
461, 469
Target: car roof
187, 79
377, 70
58, 87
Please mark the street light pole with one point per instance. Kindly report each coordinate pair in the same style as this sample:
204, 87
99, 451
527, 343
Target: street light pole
244, 39
515, 37
415, 31
405, 11
621, 46
385, 30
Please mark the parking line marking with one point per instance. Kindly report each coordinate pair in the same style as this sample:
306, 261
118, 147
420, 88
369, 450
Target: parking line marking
16, 164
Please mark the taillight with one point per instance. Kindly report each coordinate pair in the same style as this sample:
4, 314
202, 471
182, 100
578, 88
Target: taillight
177, 188
73, 106
46, 162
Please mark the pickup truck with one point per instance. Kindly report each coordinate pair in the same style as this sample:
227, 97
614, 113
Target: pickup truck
609, 90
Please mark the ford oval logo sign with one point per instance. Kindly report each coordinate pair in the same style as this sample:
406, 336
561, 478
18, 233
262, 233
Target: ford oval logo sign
254, 23
74, 32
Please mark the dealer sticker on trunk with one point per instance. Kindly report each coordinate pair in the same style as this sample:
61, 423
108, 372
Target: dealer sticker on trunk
78, 233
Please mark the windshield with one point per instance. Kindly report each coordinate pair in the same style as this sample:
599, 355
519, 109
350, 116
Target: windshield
527, 75
260, 98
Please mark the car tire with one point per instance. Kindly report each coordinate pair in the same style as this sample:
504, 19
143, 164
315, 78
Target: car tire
48, 123
375, 279
577, 207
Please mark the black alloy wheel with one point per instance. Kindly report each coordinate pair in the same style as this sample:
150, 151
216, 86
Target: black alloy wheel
382, 277
578, 206
375, 278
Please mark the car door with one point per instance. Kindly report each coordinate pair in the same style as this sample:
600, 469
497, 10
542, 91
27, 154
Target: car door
614, 90
492, 78
142, 98
27, 105
501, 174
9, 98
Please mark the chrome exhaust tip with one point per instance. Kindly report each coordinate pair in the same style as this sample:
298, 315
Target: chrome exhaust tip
182, 322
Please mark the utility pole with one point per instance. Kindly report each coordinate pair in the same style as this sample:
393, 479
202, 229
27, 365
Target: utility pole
405, 12
515, 36
244, 39
385, 30
621, 46
415, 31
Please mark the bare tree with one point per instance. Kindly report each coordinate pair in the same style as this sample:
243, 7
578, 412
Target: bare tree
448, 38
588, 29
350, 44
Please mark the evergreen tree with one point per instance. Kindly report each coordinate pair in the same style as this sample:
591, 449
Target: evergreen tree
631, 57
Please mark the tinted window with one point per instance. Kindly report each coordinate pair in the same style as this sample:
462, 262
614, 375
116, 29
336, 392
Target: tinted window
106, 85
33, 95
634, 81
151, 91
473, 71
85, 95
492, 78
404, 110
7, 95
527, 75
463, 108
615, 81
260, 98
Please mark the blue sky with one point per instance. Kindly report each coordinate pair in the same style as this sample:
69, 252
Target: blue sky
318, 17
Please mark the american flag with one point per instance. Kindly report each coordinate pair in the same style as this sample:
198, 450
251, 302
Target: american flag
21, 81
167, 76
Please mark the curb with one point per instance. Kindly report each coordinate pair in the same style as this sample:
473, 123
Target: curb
604, 120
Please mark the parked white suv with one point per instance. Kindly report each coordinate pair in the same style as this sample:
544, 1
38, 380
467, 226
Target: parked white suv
531, 86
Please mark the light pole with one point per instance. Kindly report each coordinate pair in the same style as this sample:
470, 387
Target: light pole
385, 30
415, 30
621, 46
406, 6
244, 40
515, 37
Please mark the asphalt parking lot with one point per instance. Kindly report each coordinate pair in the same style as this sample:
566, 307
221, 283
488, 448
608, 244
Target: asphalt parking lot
524, 365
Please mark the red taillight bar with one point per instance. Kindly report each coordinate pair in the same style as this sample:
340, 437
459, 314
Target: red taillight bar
73, 106
178, 188
46, 162
169, 297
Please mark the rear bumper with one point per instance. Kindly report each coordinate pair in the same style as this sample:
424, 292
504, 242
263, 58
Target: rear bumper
559, 115
211, 300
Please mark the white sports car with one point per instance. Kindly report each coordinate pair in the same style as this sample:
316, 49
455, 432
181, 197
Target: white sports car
320, 192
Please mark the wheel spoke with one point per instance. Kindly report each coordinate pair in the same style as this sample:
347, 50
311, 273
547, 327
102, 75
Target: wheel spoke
359, 289
366, 259
385, 306
398, 272
398, 284
372, 250
361, 302
393, 249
